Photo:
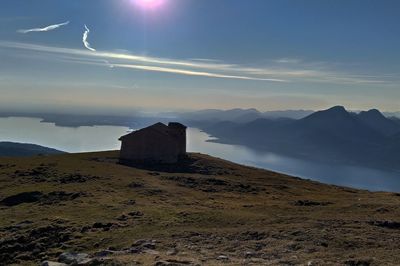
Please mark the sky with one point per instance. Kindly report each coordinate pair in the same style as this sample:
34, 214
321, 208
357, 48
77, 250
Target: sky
123, 55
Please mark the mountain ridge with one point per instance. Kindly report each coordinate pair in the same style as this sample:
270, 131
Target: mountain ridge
330, 135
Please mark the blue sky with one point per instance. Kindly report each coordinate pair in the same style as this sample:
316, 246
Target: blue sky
195, 54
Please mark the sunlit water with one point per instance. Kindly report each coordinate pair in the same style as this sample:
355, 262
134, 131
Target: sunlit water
81, 139
99, 138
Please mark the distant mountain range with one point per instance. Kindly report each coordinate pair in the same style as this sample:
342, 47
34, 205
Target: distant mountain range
335, 135
392, 114
239, 115
12, 149
194, 118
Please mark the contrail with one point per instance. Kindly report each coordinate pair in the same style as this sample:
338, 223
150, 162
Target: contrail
48, 28
84, 40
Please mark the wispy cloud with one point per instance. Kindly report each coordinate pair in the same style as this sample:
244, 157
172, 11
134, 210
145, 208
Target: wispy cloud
85, 41
48, 28
192, 73
108, 63
287, 60
299, 72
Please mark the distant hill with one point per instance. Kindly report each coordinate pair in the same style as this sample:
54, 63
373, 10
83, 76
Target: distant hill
12, 149
330, 135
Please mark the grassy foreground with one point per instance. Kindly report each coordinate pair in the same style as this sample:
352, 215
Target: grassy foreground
210, 212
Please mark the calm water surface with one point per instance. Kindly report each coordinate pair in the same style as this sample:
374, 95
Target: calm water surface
100, 138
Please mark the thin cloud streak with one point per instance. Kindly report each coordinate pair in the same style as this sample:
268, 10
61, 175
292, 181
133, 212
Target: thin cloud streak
299, 73
192, 73
85, 41
138, 59
48, 28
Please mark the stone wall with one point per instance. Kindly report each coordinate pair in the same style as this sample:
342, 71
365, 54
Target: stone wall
150, 145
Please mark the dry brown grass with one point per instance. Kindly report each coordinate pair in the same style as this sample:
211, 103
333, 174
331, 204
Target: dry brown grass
253, 216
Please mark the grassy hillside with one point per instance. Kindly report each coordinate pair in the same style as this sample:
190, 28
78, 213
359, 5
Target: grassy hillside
207, 212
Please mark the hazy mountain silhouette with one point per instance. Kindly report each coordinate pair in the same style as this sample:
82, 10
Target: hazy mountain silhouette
238, 115
139, 120
379, 122
12, 149
392, 114
335, 134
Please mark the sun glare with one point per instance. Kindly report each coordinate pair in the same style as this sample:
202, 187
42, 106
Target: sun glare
149, 4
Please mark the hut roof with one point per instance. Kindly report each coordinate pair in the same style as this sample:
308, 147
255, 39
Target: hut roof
159, 128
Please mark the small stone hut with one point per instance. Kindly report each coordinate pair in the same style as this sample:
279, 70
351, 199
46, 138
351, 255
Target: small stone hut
158, 143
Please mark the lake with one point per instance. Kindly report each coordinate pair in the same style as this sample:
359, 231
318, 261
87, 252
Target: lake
100, 138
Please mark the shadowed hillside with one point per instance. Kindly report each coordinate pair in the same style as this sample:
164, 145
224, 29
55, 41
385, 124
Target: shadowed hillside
23, 149
333, 135
217, 213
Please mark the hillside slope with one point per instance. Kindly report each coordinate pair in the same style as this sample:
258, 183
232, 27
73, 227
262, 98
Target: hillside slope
205, 212
8, 149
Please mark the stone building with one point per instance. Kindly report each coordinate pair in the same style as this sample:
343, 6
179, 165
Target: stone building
158, 143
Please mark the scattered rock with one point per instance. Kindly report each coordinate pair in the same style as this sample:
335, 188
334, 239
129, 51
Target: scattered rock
76, 178
103, 226
382, 210
104, 253
136, 185
130, 202
163, 263
131, 215
45, 173
252, 235
33, 243
249, 254
16, 227
212, 185
136, 214
171, 262
172, 252
386, 224
84, 229
311, 203
154, 173
143, 244
52, 263
73, 258
151, 252
122, 217
362, 262
151, 192
223, 258
58, 196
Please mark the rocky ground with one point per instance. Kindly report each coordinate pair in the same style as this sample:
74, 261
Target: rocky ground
85, 209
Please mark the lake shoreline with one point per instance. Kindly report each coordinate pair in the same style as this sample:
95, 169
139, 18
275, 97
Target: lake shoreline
100, 138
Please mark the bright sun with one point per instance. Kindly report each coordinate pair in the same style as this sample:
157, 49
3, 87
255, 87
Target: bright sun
149, 4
